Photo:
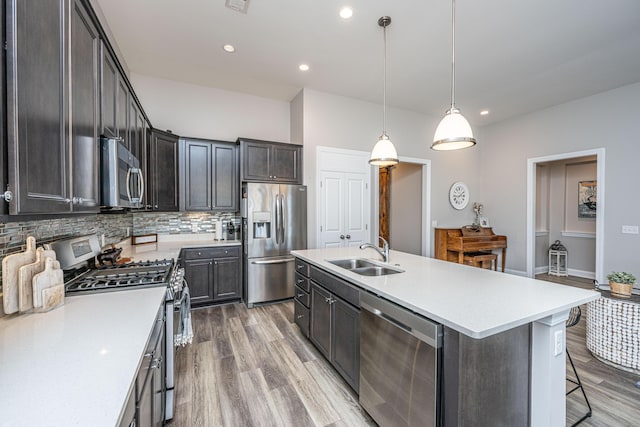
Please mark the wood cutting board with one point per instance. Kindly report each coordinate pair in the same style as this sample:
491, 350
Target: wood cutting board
25, 278
50, 277
10, 268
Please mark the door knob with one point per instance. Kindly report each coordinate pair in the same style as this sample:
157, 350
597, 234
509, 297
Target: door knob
342, 237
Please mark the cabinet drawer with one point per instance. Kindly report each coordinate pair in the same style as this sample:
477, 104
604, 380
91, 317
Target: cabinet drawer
336, 286
303, 282
205, 253
302, 296
302, 268
301, 316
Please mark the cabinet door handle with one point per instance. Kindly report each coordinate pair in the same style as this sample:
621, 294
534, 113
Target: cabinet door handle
342, 237
299, 281
300, 295
348, 236
299, 316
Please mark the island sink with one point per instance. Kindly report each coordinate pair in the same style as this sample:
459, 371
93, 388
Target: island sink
364, 267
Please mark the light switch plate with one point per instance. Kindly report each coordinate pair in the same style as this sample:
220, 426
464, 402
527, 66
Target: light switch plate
629, 229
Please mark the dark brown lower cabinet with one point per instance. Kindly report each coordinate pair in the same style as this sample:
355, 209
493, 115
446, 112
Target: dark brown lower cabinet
226, 283
199, 276
213, 274
335, 331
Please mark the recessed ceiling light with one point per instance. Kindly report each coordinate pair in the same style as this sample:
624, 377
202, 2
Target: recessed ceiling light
303, 67
346, 12
484, 112
229, 48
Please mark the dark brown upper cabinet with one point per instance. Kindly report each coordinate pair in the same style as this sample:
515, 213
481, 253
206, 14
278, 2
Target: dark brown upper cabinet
108, 92
265, 161
162, 182
41, 136
209, 175
64, 89
85, 45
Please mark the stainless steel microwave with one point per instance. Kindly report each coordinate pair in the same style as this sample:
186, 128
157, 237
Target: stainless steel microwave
122, 183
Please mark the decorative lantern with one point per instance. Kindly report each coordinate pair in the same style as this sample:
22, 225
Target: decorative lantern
558, 259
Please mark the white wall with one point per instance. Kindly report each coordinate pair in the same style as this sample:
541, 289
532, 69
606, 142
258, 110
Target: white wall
336, 121
609, 120
406, 208
204, 112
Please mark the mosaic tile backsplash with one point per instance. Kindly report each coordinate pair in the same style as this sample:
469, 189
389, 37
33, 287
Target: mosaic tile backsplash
180, 222
114, 227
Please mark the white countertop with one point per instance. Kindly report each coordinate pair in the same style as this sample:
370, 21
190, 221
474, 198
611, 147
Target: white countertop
169, 245
75, 365
473, 301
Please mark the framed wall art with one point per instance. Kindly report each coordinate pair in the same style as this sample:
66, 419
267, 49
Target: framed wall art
587, 199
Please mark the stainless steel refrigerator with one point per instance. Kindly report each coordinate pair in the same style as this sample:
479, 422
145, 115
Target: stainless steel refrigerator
274, 218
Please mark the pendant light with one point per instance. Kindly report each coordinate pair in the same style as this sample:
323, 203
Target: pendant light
454, 131
384, 153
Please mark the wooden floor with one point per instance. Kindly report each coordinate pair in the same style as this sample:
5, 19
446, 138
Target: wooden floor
254, 368
612, 393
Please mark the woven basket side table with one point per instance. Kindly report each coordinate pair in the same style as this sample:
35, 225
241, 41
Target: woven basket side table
613, 331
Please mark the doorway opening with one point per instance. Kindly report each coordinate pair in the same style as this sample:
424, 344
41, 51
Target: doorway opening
403, 205
565, 201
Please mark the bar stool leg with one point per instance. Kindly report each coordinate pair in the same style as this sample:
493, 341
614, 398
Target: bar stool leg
579, 385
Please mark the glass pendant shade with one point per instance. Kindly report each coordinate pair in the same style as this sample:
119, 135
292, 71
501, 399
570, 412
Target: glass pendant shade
384, 153
453, 132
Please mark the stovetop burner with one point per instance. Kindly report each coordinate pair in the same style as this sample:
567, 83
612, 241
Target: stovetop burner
106, 278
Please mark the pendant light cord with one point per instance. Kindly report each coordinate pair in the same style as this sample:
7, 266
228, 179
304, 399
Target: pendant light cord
384, 91
453, 53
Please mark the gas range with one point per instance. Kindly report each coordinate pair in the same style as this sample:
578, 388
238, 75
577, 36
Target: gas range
120, 276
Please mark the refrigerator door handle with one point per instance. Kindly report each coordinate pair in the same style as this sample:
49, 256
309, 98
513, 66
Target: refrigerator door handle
274, 261
281, 199
277, 220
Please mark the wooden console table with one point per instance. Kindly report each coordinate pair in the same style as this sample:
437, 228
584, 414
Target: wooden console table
452, 243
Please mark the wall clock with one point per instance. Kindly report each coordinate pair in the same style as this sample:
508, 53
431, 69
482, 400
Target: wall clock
459, 195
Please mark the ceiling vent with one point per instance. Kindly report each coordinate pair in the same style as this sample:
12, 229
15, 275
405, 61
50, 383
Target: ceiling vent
237, 5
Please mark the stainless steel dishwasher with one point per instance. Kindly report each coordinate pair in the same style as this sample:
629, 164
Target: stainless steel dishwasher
400, 360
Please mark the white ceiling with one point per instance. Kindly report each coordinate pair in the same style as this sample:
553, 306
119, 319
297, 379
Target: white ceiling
512, 57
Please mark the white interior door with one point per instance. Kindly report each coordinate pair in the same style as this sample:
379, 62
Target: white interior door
343, 198
331, 210
344, 210
356, 201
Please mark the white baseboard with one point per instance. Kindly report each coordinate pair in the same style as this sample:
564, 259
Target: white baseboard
542, 269
572, 272
581, 273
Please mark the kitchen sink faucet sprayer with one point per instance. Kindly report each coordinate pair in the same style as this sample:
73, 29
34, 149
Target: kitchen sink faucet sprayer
384, 252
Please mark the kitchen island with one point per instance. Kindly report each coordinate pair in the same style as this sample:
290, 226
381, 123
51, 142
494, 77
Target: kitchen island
75, 365
481, 305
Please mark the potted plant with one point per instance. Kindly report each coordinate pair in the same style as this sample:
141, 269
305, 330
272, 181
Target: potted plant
621, 282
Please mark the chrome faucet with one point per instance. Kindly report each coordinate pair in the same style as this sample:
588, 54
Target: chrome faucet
384, 252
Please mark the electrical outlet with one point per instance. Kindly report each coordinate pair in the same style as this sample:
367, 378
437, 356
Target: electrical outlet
558, 343
629, 229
